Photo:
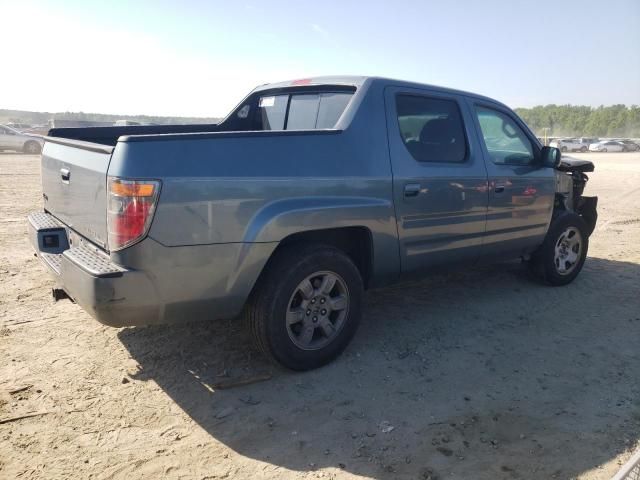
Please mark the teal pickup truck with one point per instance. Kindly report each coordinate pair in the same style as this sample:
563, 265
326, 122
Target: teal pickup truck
307, 194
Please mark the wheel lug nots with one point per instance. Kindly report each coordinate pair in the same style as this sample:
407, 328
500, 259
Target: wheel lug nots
308, 312
322, 300
315, 319
323, 311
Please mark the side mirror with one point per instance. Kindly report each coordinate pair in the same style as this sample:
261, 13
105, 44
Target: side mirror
550, 157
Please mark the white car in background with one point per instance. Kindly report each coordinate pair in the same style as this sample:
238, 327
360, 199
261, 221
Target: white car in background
607, 146
569, 145
12, 139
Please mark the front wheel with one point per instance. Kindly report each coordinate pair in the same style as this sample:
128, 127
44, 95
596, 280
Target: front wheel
583, 149
563, 149
560, 258
306, 307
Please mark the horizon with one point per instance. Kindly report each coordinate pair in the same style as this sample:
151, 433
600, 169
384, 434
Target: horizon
120, 114
199, 59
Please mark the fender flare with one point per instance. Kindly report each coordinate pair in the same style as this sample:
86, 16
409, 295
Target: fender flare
281, 218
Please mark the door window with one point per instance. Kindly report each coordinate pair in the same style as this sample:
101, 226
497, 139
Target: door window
506, 142
431, 128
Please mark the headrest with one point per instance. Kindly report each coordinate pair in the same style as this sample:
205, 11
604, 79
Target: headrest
438, 128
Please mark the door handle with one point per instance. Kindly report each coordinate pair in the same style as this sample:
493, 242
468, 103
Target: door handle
412, 189
65, 174
499, 189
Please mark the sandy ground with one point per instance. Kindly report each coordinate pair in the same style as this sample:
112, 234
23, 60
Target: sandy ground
482, 374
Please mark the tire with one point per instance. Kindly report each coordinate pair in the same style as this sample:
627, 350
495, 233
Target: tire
583, 149
604, 150
563, 149
281, 311
552, 262
31, 147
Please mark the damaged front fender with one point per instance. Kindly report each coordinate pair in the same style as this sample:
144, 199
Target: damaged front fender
570, 184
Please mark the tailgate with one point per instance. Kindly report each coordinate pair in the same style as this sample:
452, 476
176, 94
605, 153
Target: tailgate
74, 177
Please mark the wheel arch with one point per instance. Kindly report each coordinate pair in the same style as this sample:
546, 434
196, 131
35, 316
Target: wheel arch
355, 241
342, 222
31, 141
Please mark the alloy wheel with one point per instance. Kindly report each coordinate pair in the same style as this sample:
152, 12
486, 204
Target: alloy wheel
568, 250
317, 310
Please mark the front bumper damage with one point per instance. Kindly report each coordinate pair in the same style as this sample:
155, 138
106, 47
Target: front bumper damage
571, 180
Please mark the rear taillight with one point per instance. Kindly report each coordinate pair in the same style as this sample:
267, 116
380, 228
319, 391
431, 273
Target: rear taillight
130, 208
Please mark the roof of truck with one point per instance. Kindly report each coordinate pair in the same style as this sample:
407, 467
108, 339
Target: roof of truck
359, 80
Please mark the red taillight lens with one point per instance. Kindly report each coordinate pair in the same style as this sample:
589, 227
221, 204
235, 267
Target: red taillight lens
130, 210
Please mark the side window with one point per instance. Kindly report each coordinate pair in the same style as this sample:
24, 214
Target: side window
506, 143
431, 128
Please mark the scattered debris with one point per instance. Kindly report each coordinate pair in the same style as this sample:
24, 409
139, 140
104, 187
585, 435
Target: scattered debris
386, 427
20, 417
14, 390
242, 382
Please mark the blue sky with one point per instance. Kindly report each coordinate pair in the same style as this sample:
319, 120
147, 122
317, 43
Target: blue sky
194, 57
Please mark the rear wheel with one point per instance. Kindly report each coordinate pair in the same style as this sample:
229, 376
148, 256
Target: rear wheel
563, 149
583, 149
31, 148
560, 258
306, 307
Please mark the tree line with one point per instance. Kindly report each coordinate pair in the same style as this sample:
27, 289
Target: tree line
559, 120
578, 121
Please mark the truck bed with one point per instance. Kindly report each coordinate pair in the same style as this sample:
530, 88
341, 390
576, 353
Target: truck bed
110, 135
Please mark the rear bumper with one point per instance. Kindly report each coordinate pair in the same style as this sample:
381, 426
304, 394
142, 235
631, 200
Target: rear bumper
114, 295
159, 284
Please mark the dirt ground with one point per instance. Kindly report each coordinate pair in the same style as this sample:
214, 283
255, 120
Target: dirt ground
482, 374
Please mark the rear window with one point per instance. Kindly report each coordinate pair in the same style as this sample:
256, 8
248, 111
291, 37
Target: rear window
273, 111
303, 111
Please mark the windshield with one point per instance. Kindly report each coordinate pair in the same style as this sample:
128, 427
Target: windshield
10, 129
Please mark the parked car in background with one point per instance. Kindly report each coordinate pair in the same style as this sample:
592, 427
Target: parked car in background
40, 130
307, 193
588, 141
569, 145
629, 145
12, 139
607, 146
19, 126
